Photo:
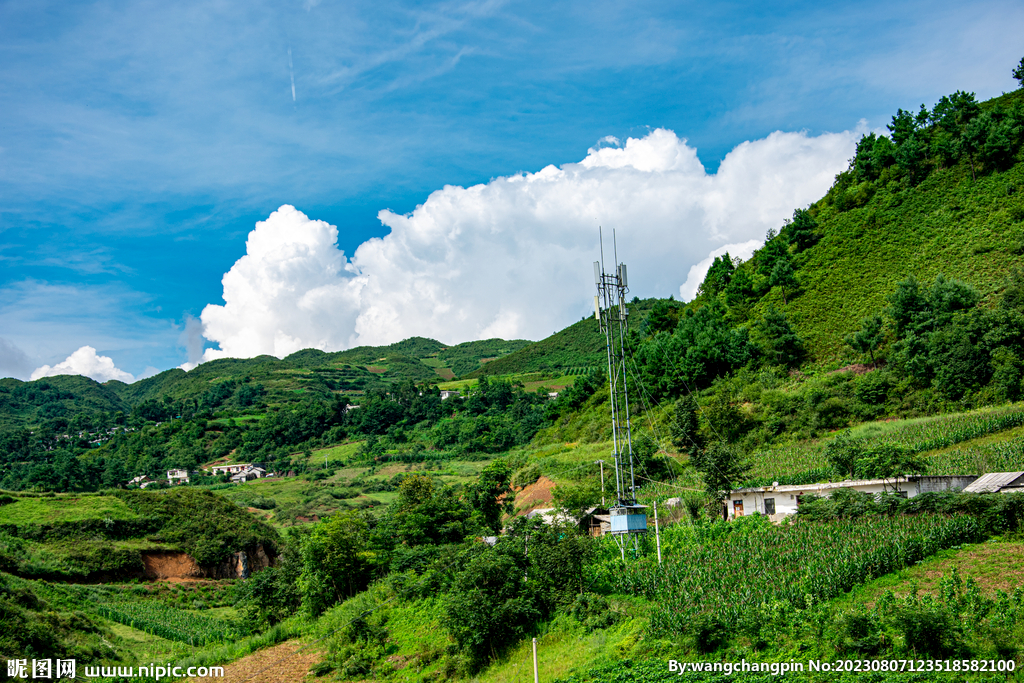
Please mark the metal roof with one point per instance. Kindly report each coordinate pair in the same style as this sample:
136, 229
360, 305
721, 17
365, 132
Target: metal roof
993, 482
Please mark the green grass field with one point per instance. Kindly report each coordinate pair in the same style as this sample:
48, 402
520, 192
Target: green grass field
64, 508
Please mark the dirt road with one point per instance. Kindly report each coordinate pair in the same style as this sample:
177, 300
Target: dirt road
279, 664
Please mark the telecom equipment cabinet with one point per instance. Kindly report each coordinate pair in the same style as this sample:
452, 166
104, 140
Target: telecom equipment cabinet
628, 519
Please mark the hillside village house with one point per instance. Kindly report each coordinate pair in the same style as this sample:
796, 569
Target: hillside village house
781, 501
177, 477
231, 469
445, 393
142, 481
254, 472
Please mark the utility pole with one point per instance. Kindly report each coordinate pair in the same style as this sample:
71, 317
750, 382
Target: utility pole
601, 463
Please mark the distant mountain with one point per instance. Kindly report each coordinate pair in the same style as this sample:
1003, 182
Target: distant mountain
54, 397
304, 374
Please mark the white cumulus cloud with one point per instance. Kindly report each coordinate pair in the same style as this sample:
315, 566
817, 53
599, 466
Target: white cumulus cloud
511, 258
698, 271
85, 361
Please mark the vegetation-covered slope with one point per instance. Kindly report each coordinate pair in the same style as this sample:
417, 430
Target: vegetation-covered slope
937, 209
579, 347
82, 536
53, 397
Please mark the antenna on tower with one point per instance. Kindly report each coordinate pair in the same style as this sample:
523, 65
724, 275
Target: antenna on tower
628, 518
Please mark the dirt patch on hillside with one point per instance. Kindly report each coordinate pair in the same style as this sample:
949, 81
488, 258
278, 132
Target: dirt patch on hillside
174, 564
446, 374
282, 663
536, 495
170, 565
996, 566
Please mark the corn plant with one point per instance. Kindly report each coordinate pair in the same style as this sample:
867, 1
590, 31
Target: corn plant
731, 576
168, 622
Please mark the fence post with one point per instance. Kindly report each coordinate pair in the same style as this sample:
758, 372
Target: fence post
657, 532
536, 675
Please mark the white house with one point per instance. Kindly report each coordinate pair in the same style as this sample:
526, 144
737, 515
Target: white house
177, 476
445, 393
142, 481
780, 501
231, 469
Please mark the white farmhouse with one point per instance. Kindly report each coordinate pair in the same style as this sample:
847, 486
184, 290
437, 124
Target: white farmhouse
781, 501
177, 477
231, 469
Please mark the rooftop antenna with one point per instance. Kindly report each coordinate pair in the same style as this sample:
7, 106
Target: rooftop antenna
628, 519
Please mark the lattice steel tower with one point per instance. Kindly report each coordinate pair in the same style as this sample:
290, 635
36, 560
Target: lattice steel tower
628, 518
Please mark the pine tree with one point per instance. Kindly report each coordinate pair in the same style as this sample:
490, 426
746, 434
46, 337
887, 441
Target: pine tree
685, 426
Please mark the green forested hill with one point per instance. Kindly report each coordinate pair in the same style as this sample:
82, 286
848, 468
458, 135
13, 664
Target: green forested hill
578, 346
241, 382
55, 397
951, 224
943, 195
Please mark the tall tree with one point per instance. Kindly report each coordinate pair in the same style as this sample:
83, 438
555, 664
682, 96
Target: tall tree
721, 467
869, 337
783, 277
718, 276
1018, 73
777, 339
802, 230
685, 426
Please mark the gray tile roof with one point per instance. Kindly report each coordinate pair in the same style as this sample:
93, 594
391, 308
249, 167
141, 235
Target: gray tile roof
993, 482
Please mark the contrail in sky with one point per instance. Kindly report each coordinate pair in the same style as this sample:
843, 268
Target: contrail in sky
291, 71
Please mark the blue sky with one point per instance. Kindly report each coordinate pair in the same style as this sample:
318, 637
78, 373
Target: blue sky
141, 142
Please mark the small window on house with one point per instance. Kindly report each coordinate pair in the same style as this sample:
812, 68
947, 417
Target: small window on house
769, 506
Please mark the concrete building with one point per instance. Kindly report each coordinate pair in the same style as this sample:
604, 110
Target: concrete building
781, 501
231, 469
249, 474
177, 477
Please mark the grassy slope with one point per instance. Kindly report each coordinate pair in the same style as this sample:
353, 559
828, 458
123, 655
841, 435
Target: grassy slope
70, 508
578, 346
950, 224
75, 535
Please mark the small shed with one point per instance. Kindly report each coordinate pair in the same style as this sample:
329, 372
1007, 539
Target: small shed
997, 482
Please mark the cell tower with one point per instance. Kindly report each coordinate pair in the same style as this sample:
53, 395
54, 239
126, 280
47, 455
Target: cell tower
628, 519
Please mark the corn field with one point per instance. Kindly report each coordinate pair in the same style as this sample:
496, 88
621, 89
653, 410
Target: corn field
917, 436
167, 622
948, 430
1001, 457
733, 576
